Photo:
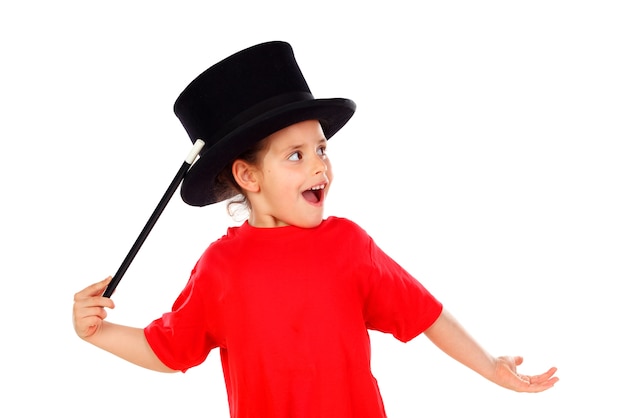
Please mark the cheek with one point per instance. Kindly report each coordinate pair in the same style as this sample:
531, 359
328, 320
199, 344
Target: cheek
329, 170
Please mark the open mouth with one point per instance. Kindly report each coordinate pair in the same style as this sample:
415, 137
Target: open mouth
315, 194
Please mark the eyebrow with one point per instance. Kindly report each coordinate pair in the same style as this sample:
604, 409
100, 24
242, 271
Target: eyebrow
322, 140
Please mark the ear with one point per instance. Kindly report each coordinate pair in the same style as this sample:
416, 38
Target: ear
246, 176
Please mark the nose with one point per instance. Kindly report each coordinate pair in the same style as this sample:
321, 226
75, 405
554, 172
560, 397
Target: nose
320, 164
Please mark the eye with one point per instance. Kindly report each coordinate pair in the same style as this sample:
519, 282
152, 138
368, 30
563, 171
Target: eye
321, 151
296, 156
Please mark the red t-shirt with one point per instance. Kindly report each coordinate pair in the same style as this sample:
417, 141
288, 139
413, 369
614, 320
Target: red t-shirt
289, 309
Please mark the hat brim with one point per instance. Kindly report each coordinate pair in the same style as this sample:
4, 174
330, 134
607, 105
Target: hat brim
198, 188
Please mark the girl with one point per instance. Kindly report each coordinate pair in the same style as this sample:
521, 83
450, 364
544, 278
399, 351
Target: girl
287, 297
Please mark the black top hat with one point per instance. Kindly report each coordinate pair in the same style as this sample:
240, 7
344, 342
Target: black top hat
241, 100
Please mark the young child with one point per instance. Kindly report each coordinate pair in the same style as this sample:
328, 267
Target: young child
289, 296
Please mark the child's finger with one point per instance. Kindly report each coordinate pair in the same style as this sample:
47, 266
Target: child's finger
87, 326
93, 290
544, 377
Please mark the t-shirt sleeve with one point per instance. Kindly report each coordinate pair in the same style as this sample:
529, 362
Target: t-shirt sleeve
396, 302
182, 338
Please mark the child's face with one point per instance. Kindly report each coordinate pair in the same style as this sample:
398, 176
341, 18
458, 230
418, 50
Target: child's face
294, 175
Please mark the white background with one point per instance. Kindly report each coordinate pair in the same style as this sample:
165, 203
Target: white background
486, 156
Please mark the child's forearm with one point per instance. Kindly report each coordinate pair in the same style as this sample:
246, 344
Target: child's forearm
451, 338
129, 344
447, 334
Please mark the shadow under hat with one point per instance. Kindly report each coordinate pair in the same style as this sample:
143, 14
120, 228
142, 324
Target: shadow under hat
240, 101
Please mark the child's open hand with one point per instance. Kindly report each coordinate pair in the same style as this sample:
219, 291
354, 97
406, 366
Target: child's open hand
89, 313
506, 376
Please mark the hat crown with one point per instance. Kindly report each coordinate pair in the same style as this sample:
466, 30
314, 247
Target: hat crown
238, 88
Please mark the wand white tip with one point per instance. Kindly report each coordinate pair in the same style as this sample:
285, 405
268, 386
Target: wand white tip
197, 146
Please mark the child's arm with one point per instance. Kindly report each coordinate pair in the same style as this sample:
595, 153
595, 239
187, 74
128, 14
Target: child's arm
447, 334
125, 342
